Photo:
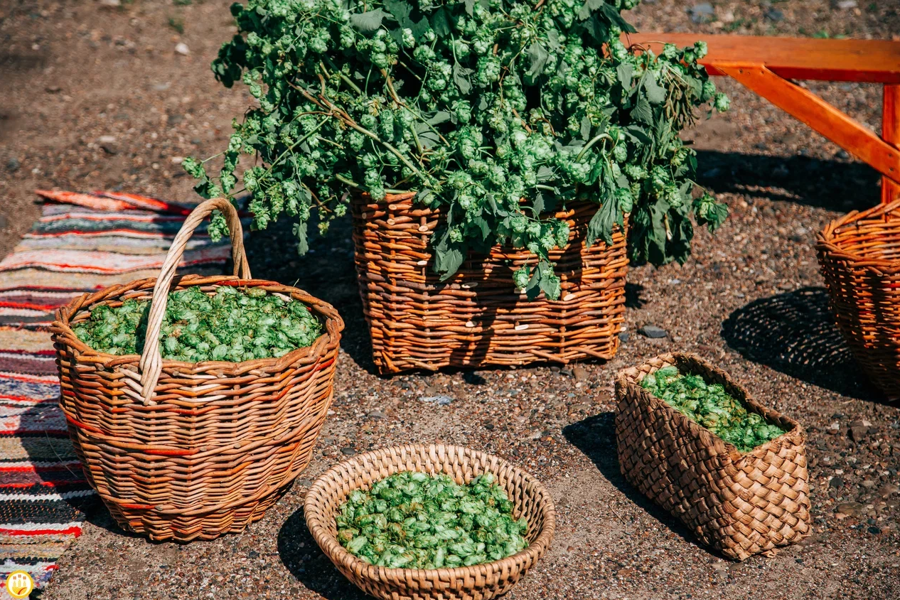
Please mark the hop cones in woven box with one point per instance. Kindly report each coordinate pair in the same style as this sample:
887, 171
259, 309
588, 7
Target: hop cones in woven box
479, 582
859, 256
477, 317
188, 451
740, 504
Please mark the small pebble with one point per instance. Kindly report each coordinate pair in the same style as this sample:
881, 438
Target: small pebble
182, 49
851, 509
579, 373
653, 332
440, 400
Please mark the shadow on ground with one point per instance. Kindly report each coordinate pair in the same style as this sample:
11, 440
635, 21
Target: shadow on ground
795, 334
327, 272
596, 438
306, 561
828, 184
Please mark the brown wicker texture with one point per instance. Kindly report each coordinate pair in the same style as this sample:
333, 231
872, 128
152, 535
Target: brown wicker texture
859, 256
740, 504
477, 317
218, 442
479, 582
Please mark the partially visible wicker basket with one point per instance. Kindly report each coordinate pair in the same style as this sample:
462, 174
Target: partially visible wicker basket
859, 256
477, 318
479, 582
184, 451
740, 504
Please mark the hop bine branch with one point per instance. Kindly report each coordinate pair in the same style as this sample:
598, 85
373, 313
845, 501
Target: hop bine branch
497, 113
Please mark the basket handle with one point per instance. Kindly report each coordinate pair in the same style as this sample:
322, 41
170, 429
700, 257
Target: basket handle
151, 359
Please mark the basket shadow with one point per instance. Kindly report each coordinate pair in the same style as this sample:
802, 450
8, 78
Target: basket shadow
327, 272
595, 437
794, 333
829, 184
301, 556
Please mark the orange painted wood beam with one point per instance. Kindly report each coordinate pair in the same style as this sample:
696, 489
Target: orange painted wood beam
819, 115
870, 61
890, 131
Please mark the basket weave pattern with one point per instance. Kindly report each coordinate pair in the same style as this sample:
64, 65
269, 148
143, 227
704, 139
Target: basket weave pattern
476, 317
859, 257
216, 443
740, 504
478, 582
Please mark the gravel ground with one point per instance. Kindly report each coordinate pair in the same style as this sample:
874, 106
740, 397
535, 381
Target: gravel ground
97, 97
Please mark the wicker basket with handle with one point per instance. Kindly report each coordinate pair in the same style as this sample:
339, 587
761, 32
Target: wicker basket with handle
478, 582
859, 256
477, 317
192, 450
739, 503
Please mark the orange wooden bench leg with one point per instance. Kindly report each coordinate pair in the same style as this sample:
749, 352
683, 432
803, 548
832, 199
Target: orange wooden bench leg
890, 131
822, 117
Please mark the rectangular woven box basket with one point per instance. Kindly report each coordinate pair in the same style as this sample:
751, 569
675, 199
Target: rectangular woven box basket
739, 503
477, 317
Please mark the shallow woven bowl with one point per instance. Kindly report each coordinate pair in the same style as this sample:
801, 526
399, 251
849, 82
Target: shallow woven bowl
478, 582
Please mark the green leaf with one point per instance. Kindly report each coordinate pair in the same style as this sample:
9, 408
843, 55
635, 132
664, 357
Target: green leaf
589, 7
655, 93
637, 135
429, 139
544, 173
642, 111
448, 260
440, 22
553, 39
537, 206
439, 117
470, 7
400, 10
368, 22
625, 73
585, 128
539, 57
461, 78
601, 224
300, 232
616, 19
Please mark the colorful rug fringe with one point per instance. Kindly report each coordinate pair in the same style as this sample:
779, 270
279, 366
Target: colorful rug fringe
82, 242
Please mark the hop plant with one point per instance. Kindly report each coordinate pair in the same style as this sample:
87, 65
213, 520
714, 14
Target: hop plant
496, 112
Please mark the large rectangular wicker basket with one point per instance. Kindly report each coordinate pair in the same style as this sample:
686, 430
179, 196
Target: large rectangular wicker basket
477, 317
740, 504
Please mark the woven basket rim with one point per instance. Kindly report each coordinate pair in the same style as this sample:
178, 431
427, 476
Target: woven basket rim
792, 436
827, 239
333, 324
315, 520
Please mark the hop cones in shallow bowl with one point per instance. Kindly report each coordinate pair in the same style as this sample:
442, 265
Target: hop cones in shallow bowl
478, 582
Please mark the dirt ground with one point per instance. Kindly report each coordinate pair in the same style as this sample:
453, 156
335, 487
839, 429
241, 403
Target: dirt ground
95, 96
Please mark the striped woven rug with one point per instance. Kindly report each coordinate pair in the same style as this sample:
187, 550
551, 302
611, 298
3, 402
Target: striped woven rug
82, 242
